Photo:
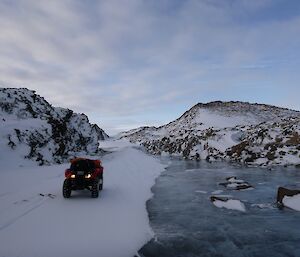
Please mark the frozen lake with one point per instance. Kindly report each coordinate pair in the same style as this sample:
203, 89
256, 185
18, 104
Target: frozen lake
187, 224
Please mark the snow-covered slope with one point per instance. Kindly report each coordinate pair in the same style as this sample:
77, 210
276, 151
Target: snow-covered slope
33, 129
252, 133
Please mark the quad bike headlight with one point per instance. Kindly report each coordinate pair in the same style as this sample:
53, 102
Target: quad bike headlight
73, 176
88, 176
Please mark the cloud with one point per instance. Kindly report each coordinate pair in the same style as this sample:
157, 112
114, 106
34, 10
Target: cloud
128, 58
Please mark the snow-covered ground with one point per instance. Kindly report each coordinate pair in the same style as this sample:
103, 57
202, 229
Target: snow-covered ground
35, 220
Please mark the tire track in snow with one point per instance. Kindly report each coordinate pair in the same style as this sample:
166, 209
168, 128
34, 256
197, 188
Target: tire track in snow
23, 214
4, 194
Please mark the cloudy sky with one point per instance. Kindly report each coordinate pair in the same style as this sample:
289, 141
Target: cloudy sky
127, 63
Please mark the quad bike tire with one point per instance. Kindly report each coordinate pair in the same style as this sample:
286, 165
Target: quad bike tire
95, 190
67, 189
100, 184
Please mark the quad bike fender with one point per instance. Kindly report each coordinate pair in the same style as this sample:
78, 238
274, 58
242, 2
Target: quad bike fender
97, 172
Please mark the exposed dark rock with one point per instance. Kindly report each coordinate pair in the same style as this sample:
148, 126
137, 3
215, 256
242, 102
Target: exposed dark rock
294, 140
100, 132
270, 155
233, 183
218, 198
11, 143
238, 149
282, 192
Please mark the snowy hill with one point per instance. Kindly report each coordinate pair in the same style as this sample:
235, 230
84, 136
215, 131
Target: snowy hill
31, 128
236, 131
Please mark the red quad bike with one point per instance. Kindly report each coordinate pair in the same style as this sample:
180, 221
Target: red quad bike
83, 174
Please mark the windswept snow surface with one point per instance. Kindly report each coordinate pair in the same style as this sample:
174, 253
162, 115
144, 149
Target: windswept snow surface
35, 220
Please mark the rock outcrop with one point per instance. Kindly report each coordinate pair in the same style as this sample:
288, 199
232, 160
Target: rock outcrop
32, 128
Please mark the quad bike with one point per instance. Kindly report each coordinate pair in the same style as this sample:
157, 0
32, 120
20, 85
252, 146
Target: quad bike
83, 174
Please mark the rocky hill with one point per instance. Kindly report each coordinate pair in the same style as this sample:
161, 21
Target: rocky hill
100, 132
255, 134
31, 128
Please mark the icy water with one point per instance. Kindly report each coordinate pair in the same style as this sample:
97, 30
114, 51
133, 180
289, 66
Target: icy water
187, 224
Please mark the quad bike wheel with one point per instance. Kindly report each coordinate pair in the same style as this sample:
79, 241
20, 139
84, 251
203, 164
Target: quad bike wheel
66, 189
95, 190
100, 184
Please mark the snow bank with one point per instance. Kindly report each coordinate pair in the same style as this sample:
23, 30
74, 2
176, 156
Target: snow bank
35, 220
230, 204
292, 202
